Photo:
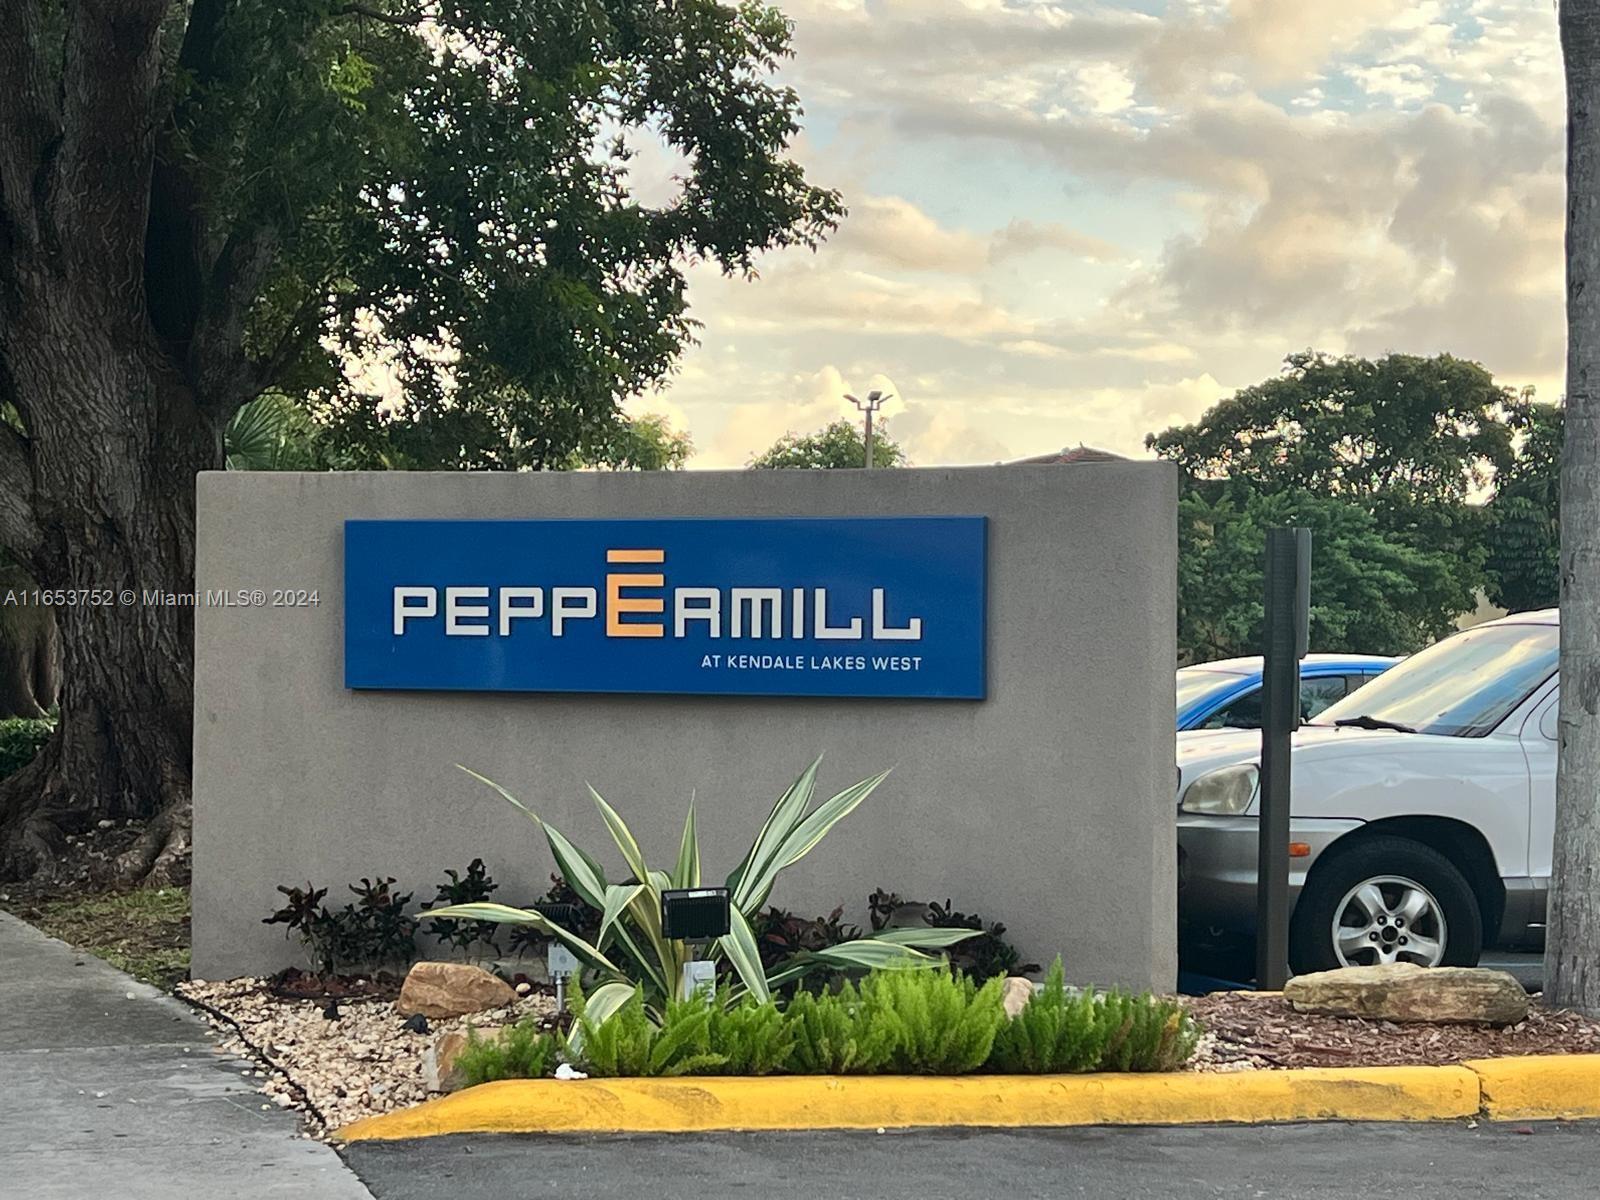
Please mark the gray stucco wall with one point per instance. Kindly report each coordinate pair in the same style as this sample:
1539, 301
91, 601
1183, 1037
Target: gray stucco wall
1047, 806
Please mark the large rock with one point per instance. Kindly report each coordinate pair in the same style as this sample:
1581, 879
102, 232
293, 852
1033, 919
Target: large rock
439, 990
1406, 992
439, 1060
1017, 994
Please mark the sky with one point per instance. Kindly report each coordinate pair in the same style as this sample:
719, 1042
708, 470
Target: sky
1078, 222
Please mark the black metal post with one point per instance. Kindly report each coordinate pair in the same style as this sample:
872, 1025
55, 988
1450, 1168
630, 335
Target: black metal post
1288, 590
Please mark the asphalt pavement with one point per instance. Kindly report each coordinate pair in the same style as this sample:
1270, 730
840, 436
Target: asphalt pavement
110, 1090
1292, 1162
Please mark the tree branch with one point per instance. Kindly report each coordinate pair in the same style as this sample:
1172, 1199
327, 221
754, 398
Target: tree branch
302, 327
244, 378
19, 523
110, 69
30, 122
216, 363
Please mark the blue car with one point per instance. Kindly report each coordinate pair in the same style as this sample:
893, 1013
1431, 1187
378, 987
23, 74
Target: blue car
1227, 694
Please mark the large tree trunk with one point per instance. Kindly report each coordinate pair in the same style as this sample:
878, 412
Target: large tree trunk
30, 648
1572, 959
120, 359
116, 439
123, 315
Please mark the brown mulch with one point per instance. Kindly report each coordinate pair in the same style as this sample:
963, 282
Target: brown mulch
294, 984
1247, 1031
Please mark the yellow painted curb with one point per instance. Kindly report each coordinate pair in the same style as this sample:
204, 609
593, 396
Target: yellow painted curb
871, 1102
1540, 1088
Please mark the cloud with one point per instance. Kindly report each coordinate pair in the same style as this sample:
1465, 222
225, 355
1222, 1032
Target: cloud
1022, 237
895, 232
1269, 42
1430, 232
1079, 222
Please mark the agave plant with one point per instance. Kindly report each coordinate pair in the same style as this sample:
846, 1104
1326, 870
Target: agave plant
631, 954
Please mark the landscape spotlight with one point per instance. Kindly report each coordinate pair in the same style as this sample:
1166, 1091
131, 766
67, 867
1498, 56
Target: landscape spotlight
695, 914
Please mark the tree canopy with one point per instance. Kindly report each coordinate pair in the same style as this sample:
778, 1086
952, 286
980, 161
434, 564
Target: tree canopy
838, 444
445, 189
1524, 563
1387, 462
328, 201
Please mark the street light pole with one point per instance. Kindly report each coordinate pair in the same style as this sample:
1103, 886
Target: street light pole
874, 401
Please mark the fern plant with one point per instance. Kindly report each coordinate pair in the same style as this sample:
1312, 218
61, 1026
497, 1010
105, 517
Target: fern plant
1147, 1034
630, 1042
1063, 1032
941, 1023
1055, 1033
834, 1036
751, 1038
524, 1051
613, 1044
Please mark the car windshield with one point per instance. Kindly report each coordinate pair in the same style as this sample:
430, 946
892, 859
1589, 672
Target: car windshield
1461, 687
1195, 682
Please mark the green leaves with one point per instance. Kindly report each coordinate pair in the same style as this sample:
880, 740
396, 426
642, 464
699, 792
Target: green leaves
503, 914
739, 944
687, 873
833, 1036
790, 833
521, 1052
943, 1024
460, 185
1385, 461
836, 445
1063, 1032
785, 814
630, 949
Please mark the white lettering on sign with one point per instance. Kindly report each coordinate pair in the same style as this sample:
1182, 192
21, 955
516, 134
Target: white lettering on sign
764, 606
744, 612
511, 611
404, 611
826, 632
456, 611
697, 604
881, 629
571, 604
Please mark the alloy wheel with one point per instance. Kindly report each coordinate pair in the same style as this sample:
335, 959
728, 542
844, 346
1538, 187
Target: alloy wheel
1388, 919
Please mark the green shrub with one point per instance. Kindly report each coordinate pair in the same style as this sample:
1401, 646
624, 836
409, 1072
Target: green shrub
1054, 1033
832, 1036
21, 738
523, 1052
1148, 1034
372, 932
1062, 1032
475, 886
629, 1042
750, 1038
941, 1023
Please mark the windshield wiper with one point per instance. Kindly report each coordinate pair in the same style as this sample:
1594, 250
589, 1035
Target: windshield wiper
1366, 721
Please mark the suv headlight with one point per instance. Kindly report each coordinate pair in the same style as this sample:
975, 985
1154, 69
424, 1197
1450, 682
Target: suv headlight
1224, 793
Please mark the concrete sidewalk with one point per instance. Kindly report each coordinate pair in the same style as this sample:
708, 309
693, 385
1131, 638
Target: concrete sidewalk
109, 1088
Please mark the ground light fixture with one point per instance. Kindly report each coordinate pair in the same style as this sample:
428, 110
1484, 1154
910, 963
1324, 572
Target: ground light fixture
562, 964
696, 915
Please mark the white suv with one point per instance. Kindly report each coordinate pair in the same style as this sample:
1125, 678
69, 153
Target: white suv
1422, 816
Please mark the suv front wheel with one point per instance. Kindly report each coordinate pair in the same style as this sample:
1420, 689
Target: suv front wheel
1385, 900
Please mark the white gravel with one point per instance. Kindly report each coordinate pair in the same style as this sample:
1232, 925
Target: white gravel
334, 1071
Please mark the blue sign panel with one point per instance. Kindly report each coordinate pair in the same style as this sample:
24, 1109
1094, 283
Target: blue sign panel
784, 607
